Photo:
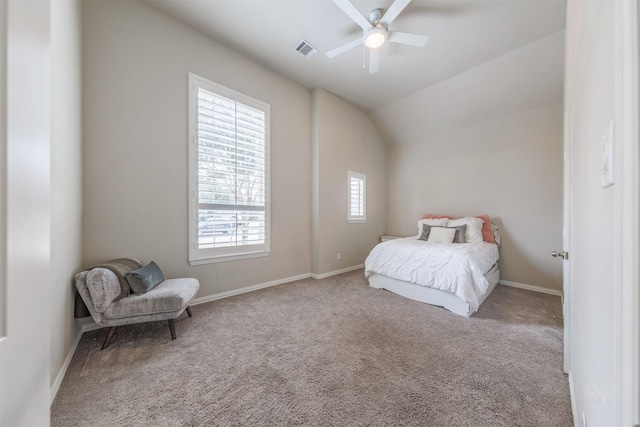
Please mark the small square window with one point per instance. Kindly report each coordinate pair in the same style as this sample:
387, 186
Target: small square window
357, 191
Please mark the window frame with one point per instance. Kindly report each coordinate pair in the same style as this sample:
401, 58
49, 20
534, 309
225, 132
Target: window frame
198, 256
356, 218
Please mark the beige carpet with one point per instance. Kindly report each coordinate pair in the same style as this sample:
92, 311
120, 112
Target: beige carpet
332, 352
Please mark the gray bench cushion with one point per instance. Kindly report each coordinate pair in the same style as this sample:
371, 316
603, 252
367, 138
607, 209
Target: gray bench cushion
172, 295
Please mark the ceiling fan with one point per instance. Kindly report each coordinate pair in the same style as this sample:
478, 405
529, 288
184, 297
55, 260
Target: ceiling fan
375, 31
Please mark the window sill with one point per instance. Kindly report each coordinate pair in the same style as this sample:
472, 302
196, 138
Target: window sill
225, 258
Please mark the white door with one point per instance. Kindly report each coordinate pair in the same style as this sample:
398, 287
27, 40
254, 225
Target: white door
24, 213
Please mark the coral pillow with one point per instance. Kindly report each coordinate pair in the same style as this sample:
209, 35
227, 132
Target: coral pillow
487, 233
432, 216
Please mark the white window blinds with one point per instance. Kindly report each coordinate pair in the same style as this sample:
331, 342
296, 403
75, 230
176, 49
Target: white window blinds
231, 176
357, 197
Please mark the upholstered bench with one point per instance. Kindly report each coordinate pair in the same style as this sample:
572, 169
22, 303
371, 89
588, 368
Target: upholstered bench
100, 289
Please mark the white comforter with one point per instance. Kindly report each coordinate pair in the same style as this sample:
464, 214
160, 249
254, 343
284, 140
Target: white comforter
455, 268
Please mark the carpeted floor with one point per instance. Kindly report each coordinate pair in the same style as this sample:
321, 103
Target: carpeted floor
332, 352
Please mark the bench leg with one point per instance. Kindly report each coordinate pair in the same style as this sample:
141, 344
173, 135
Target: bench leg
172, 328
107, 340
189, 312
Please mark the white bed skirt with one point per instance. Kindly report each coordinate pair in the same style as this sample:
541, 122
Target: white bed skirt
433, 296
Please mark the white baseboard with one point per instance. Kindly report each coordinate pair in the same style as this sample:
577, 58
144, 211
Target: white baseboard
532, 288
53, 391
336, 272
572, 395
246, 289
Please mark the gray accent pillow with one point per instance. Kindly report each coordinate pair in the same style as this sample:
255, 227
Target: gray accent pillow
144, 279
426, 230
459, 237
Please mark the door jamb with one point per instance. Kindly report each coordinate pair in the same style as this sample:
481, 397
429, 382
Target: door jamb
627, 211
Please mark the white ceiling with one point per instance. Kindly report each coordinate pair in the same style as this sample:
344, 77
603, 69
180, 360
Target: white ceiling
464, 34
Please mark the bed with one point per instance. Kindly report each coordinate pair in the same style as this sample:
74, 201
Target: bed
457, 276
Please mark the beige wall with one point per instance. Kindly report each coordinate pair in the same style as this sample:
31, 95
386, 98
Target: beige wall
488, 140
509, 168
521, 80
344, 139
136, 61
66, 176
25, 217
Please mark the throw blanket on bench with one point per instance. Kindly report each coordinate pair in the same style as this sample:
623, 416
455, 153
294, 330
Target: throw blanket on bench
120, 267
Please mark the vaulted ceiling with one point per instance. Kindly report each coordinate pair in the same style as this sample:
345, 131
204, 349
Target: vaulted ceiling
463, 34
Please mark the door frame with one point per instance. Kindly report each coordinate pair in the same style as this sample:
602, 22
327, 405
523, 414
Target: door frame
566, 234
626, 211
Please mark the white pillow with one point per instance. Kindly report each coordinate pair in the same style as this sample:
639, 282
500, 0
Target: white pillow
496, 234
473, 233
440, 222
441, 235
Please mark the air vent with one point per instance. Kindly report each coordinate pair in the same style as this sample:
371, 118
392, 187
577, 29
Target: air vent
306, 49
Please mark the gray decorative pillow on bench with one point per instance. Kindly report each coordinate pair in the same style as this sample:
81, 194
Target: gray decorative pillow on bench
144, 279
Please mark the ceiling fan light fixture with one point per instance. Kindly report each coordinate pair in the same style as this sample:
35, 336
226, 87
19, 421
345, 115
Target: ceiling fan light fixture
375, 37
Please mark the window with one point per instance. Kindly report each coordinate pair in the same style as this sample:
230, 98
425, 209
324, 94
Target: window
357, 190
228, 174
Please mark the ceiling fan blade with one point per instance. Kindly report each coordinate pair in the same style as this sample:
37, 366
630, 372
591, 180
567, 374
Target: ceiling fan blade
374, 60
342, 49
418, 40
394, 10
353, 13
